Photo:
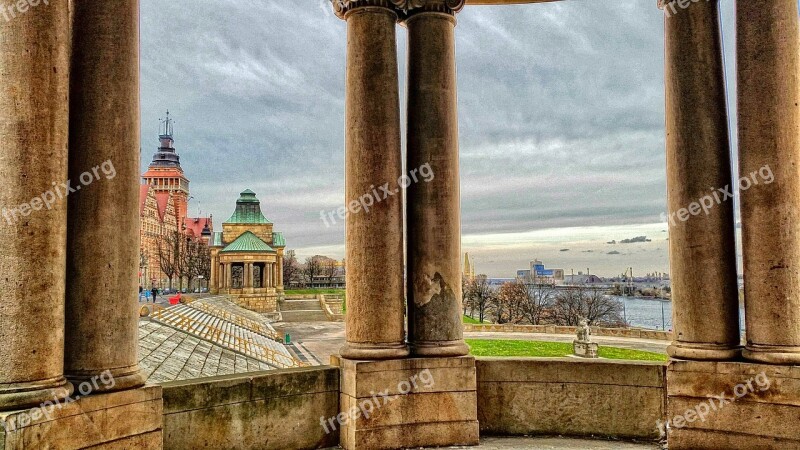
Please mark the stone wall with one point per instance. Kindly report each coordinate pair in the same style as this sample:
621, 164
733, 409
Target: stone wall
733, 405
265, 410
266, 303
566, 396
555, 329
332, 307
113, 421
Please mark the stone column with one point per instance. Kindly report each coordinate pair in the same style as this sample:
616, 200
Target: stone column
248, 275
212, 282
374, 238
228, 277
433, 204
768, 70
705, 295
34, 62
280, 270
103, 228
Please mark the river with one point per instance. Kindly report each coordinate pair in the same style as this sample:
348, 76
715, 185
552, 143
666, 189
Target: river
647, 313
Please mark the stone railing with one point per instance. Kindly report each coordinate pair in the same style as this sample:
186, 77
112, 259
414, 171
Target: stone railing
268, 410
554, 329
332, 306
571, 397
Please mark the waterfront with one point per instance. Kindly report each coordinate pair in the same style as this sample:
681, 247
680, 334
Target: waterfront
647, 313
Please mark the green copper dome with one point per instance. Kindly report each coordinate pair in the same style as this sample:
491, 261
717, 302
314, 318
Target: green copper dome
248, 210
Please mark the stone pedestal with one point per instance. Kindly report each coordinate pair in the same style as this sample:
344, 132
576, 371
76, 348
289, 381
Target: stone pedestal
761, 408
120, 420
585, 349
407, 403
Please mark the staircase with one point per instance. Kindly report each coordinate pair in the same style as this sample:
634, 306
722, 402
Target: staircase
302, 310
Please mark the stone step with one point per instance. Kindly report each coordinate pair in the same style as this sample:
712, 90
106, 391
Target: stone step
300, 305
304, 316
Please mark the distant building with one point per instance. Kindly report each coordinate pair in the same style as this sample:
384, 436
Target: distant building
247, 257
165, 174
582, 279
469, 267
539, 274
163, 197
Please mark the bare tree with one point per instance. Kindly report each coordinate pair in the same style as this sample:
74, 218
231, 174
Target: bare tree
481, 296
509, 301
312, 269
572, 305
168, 249
540, 295
201, 266
291, 269
329, 270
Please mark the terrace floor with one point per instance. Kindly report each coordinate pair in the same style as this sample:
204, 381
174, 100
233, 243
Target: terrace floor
548, 443
557, 443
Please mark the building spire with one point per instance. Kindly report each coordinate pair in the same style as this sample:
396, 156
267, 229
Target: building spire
167, 123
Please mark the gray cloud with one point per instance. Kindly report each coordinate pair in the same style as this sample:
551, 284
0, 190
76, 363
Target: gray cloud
560, 105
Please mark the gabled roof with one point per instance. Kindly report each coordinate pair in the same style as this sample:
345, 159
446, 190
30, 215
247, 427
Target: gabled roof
163, 201
248, 242
195, 225
144, 190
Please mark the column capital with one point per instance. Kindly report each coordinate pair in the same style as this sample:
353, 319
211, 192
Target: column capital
451, 7
342, 7
403, 8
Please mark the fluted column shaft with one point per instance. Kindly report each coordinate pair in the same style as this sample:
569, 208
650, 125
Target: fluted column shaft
374, 237
34, 69
702, 246
768, 70
433, 205
103, 233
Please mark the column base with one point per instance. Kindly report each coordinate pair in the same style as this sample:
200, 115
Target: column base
766, 395
772, 354
22, 395
121, 420
111, 380
371, 352
407, 403
438, 349
704, 352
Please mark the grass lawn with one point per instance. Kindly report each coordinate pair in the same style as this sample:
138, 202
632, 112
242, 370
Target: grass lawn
482, 347
470, 320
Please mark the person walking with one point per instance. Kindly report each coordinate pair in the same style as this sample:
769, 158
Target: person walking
154, 291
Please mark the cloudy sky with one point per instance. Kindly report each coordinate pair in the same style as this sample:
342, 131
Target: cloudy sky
561, 111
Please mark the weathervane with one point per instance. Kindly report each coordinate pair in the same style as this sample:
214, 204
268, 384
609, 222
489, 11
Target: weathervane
168, 125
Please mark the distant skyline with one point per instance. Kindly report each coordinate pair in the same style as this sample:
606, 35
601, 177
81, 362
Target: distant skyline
561, 110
